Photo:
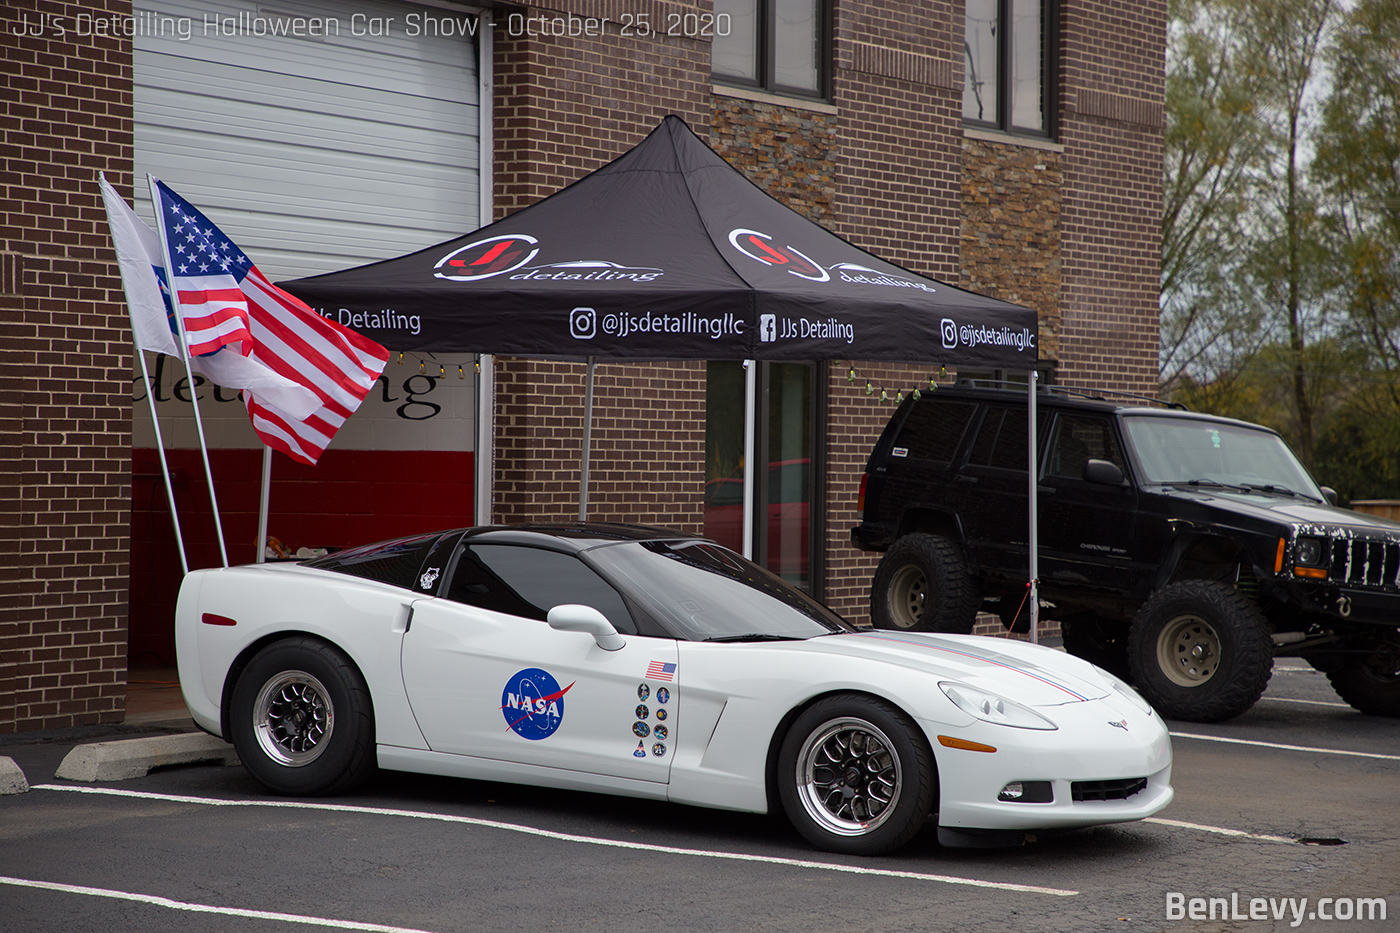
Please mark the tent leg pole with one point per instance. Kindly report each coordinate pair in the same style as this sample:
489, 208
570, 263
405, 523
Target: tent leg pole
485, 454
1034, 483
750, 441
263, 500
587, 439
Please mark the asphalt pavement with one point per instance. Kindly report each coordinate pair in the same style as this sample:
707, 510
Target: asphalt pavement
1295, 800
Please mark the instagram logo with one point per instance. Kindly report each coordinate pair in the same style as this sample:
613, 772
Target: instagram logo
948, 328
583, 323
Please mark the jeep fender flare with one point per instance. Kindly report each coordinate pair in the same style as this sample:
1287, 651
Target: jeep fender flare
935, 520
1203, 555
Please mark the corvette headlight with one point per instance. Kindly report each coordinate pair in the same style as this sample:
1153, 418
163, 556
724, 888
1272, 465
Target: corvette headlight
989, 707
1121, 687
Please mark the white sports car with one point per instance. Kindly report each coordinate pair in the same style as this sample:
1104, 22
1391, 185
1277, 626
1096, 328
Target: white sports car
651, 663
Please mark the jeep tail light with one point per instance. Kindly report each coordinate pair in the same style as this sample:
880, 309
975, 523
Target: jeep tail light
860, 496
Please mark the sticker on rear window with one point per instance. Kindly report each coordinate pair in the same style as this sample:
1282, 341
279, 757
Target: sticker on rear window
900, 452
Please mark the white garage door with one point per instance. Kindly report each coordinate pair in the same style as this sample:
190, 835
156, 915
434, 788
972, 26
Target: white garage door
357, 140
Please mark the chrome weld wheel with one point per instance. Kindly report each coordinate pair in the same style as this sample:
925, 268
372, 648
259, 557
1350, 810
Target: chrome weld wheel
301, 718
293, 718
856, 775
1188, 651
847, 777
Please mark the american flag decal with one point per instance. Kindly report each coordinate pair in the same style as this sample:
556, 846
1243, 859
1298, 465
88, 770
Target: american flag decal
661, 670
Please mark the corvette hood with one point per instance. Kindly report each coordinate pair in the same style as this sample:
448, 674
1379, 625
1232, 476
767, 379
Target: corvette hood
1029, 674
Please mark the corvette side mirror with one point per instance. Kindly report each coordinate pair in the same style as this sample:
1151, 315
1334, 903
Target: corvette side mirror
1103, 472
571, 617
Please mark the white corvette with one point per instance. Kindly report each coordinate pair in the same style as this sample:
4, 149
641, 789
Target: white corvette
650, 663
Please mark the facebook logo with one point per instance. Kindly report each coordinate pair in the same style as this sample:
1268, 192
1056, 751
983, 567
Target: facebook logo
767, 328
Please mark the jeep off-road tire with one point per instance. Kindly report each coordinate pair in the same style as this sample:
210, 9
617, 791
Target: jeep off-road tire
1200, 651
1371, 682
923, 585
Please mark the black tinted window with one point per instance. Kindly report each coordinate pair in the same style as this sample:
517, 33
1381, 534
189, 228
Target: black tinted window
1002, 441
528, 582
1079, 439
394, 562
934, 429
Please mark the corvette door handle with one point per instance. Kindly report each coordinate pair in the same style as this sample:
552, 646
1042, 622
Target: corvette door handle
403, 619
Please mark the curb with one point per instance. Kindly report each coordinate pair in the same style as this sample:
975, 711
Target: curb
132, 758
11, 778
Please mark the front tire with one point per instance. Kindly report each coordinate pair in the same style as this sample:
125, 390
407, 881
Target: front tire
1371, 682
1200, 651
856, 776
301, 719
923, 585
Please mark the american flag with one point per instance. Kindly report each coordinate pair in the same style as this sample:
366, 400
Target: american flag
661, 670
231, 301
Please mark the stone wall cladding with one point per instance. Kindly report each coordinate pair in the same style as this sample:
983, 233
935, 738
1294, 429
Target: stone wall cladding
789, 152
65, 370
1111, 100
1011, 229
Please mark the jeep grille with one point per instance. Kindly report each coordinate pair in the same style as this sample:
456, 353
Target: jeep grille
1366, 562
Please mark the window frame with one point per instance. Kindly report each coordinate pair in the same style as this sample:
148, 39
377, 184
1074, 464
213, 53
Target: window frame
1049, 72
765, 52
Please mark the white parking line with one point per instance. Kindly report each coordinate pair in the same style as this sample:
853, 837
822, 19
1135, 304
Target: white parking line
1220, 830
563, 837
205, 908
1307, 702
1290, 748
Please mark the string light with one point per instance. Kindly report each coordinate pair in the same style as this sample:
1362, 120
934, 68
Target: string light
442, 370
423, 367
899, 396
400, 357
461, 373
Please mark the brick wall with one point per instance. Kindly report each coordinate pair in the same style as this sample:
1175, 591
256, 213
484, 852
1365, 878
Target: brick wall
1111, 128
565, 105
65, 365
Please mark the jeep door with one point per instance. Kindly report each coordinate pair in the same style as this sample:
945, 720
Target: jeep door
990, 494
1086, 529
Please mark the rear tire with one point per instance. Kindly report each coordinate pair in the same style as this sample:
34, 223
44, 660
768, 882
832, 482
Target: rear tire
923, 585
301, 719
1200, 651
1371, 682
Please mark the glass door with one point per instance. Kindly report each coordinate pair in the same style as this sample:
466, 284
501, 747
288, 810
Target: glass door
787, 501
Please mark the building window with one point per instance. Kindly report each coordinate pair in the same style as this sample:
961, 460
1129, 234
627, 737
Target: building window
1010, 46
773, 45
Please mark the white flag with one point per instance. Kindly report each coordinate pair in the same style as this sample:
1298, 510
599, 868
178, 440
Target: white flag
142, 266
139, 258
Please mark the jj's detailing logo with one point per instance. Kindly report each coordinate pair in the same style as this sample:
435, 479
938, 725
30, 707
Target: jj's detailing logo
493, 256
486, 258
760, 246
970, 336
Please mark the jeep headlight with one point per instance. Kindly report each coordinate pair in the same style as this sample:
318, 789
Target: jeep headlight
1309, 556
989, 707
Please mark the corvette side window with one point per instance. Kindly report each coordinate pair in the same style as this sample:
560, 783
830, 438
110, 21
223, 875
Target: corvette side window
527, 581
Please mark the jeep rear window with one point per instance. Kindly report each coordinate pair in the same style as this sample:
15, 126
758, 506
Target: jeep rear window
934, 430
1002, 441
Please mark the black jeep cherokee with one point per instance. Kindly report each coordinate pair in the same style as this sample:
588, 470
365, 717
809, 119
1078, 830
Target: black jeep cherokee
1181, 550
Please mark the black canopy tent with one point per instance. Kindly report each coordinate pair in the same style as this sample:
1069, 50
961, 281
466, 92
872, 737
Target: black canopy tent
668, 252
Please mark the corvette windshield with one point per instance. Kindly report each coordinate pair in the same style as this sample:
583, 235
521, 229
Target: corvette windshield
1185, 452
709, 593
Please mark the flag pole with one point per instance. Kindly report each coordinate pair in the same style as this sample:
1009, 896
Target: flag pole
189, 370
164, 466
263, 503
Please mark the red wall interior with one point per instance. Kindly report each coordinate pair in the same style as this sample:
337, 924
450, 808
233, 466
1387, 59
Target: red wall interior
351, 497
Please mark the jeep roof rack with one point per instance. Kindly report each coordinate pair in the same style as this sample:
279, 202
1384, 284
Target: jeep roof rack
1069, 391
